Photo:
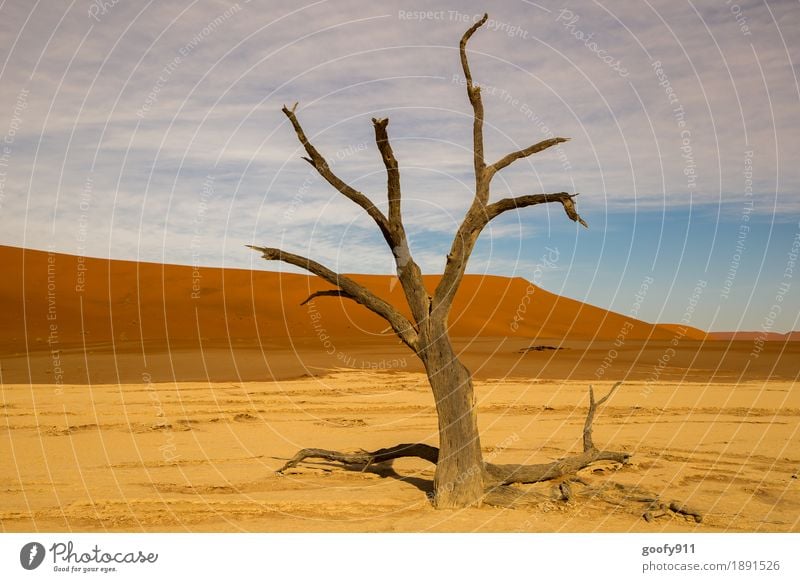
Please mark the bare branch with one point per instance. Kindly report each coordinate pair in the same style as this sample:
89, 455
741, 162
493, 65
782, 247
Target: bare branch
321, 165
475, 220
588, 444
392, 172
507, 474
463, 45
401, 326
327, 293
565, 199
460, 251
524, 153
408, 272
607, 396
469, 231
474, 94
481, 212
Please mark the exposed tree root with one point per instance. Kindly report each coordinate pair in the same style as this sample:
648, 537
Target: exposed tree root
625, 498
508, 474
501, 478
366, 458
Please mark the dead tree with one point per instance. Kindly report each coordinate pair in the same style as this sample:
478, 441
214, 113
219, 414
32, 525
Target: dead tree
462, 478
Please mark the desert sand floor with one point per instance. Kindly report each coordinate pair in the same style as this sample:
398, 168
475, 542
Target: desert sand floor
196, 456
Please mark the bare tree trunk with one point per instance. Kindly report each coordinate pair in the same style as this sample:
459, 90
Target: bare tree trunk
458, 481
461, 476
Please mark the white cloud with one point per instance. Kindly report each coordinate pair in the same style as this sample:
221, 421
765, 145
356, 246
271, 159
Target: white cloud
109, 100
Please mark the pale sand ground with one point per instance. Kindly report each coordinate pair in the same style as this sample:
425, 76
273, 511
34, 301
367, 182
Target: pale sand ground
111, 451
200, 457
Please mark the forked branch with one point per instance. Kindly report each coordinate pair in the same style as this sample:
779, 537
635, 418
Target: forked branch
472, 226
481, 212
507, 474
323, 168
408, 272
401, 326
588, 444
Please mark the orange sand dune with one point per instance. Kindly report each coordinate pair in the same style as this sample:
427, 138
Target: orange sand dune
69, 319
767, 336
52, 298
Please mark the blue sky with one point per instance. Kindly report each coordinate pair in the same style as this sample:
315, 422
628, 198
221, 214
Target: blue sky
153, 131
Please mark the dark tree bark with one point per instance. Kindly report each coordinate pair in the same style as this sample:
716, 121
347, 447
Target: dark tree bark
462, 478
459, 477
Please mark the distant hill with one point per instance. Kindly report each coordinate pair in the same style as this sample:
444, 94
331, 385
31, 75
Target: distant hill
769, 336
70, 299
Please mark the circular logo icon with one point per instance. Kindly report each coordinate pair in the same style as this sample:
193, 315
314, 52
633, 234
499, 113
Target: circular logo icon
31, 555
